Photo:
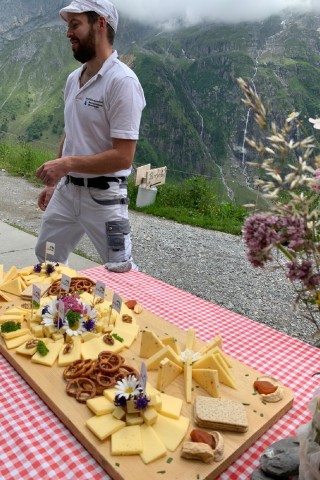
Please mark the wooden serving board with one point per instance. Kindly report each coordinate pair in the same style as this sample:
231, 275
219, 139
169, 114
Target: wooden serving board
50, 386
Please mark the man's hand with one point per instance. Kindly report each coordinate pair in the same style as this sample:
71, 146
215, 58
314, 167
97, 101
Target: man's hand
45, 197
52, 171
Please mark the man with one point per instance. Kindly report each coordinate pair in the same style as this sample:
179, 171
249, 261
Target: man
86, 186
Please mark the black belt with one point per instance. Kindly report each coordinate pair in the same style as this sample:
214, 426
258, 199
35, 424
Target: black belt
96, 182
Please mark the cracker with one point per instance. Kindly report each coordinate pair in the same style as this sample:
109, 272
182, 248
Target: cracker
220, 414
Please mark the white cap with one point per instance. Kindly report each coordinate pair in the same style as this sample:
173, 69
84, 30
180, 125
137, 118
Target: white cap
103, 7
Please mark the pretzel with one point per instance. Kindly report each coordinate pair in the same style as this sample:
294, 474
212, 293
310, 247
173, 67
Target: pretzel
77, 284
124, 371
105, 381
78, 368
110, 364
81, 388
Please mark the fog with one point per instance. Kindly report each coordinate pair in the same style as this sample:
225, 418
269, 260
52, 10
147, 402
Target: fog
169, 13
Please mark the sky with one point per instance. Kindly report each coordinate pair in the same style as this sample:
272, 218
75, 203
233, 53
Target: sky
192, 12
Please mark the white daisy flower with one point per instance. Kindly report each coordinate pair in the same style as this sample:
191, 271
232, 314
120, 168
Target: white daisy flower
188, 353
315, 122
127, 387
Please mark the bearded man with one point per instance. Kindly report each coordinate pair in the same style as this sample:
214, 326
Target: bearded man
86, 186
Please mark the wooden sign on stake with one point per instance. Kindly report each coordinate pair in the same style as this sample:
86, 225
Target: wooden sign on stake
151, 177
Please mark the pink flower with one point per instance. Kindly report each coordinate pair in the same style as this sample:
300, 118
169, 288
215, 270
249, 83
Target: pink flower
260, 236
303, 272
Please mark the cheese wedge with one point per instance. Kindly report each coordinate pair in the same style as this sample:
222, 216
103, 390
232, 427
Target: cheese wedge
168, 371
190, 338
173, 343
208, 380
104, 425
17, 341
49, 359
188, 379
13, 286
153, 362
211, 362
100, 405
150, 344
215, 342
126, 441
152, 447
10, 274
171, 431
75, 353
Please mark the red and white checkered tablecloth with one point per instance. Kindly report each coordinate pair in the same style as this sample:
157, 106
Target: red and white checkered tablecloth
36, 445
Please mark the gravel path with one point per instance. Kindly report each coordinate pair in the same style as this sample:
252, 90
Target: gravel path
209, 264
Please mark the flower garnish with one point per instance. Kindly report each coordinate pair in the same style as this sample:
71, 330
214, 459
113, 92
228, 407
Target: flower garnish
42, 348
7, 327
188, 353
141, 401
127, 387
78, 316
37, 268
49, 268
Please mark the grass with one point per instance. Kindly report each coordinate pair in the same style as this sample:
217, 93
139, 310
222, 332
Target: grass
194, 201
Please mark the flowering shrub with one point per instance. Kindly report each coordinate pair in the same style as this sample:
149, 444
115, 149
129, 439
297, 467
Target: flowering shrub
288, 232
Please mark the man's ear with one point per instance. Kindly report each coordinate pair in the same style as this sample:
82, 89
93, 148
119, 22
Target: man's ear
102, 23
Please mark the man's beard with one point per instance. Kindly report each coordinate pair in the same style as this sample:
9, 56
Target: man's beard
86, 49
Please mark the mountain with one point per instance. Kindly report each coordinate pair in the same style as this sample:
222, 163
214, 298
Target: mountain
194, 121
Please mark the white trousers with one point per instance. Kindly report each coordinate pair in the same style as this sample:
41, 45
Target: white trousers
74, 211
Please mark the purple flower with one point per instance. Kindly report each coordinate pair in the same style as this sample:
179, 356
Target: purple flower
141, 402
260, 236
303, 272
45, 309
89, 325
49, 269
37, 268
120, 401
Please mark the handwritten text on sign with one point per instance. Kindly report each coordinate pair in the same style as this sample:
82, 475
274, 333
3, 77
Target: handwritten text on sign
156, 176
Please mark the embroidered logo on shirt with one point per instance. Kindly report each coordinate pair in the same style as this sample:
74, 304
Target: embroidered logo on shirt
90, 102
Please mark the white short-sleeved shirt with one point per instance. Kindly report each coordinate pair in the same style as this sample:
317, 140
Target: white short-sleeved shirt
108, 106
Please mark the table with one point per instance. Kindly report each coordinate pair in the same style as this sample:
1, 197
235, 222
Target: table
36, 445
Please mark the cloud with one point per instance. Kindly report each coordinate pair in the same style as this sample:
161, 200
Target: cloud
192, 12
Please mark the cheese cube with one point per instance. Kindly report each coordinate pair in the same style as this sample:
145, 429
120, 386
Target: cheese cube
131, 407
100, 405
104, 425
37, 331
155, 401
171, 431
119, 413
133, 419
170, 406
127, 441
150, 415
152, 447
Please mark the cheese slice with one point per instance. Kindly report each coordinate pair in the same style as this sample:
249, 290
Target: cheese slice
168, 371
75, 353
188, 379
170, 406
153, 362
126, 441
171, 431
152, 447
91, 349
150, 344
23, 350
100, 405
16, 333
17, 341
208, 380
127, 336
11, 318
12, 286
49, 359
104, 425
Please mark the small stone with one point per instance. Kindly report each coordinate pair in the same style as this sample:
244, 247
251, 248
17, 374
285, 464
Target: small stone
259, 475
281, 459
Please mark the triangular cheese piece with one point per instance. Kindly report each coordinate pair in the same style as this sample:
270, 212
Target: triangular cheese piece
210, 361
12, 286
208, 380
150, 344
4, 297
12, 273
168, 371
215, 342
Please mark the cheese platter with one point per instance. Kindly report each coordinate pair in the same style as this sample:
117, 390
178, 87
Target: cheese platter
186, 385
